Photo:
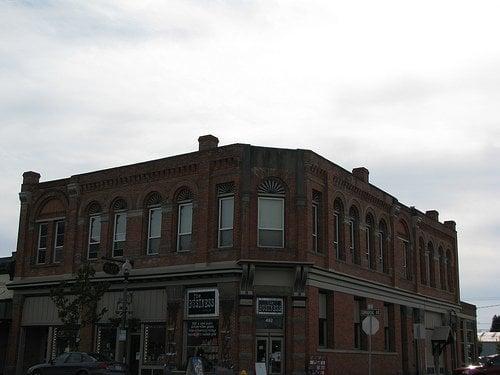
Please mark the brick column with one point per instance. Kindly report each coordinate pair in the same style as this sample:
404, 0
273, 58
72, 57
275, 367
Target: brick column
246, 339
298, 349
13, 349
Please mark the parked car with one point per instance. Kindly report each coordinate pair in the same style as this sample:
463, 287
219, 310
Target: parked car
78, 363
489, 365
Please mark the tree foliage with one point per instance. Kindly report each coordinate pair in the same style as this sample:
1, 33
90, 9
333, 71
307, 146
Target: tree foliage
77, 303
495, 324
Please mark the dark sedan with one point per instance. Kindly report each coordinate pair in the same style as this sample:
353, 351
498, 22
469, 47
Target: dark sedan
489, 365
77, 363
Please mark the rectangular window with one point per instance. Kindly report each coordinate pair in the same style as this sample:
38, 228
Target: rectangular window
357, 323
154, 230
120, 234
226, 219
42, 243
322, 320
184, 226
315, 227
352, 237
271, 222
368, 235
381, 250
94, 237
406, 260
58, 241
336, 235
154, 343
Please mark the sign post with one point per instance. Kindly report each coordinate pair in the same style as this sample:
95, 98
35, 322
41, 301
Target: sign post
370, 326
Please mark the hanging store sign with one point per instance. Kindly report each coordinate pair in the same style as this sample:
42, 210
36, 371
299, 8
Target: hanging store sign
202, 303
269, 306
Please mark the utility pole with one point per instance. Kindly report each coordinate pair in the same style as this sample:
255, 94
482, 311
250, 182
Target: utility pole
123, 334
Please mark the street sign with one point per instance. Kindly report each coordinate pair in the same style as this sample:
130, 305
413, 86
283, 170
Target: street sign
370, 325
370, 312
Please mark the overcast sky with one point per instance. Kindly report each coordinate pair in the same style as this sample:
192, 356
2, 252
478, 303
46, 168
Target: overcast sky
409, 90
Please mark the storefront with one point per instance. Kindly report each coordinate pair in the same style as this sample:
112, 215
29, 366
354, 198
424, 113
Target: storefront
270, 325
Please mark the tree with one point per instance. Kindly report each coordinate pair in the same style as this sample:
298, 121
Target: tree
495, 324
77, 304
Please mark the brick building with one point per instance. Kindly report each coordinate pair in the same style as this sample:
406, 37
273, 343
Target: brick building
254, 254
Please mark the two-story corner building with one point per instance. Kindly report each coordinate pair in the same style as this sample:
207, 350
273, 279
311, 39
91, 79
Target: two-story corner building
253, 254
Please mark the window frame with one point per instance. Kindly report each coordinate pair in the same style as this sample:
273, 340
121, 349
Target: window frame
336, 234
89, 242
56, 248
148, 245
315, 227
44, 249
179, 234
368, 239
220, 229
116, 214
407, 269
323, 320
282, 200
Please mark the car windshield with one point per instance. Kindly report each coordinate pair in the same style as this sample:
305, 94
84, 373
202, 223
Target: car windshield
99, 357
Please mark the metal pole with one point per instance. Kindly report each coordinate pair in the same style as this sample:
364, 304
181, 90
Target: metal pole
370, 347
123, 326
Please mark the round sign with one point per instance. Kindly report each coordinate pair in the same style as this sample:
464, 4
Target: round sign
370, 329
111, 268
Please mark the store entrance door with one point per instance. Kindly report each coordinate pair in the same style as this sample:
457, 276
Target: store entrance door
134, 354
269, 350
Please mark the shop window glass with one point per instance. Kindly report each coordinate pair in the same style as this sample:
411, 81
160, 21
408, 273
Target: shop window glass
106, 341
154, 343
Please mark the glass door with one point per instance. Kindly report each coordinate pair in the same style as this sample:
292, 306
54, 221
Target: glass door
269, 350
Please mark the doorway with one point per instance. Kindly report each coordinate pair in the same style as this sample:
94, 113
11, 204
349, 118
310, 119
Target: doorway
134, 354
269, 350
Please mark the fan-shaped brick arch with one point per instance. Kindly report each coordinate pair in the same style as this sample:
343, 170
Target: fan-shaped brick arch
402, 229
52, 207
93, 208
153, 199
271, 186
184, 194
119, 204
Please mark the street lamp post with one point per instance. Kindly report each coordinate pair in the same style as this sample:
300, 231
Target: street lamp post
126, 268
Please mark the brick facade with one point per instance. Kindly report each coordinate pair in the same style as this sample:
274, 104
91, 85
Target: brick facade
406, 247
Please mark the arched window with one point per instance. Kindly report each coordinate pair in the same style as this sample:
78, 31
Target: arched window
450, 271
354, 234
271, 214
383, 257
338, 233
432, 264
423, 261
225, 196
154, 214
184, 220
404, 239
442, 269
51, 232
316, 221
119, 209
370, 248
94, 211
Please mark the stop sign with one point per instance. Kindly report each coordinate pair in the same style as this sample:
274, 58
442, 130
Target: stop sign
370, 325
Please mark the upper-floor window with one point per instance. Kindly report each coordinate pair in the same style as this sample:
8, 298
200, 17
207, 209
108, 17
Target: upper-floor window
316, 221
154, 230
338, 217
58, 241
432, 263
184, 220
271, 214
225, 193
370, 253
154, 215
42, 243
120, 227
406, 256
383, 258
423, 262
442, 269
94, 237
353, 234
449, 270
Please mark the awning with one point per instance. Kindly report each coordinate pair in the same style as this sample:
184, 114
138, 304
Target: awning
441, 334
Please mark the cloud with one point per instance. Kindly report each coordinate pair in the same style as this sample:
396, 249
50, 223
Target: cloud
409, 90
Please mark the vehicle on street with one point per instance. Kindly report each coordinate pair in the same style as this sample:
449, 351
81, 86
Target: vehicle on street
79, 363
489, 365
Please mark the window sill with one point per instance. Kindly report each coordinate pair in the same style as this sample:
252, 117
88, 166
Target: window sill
46, 265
